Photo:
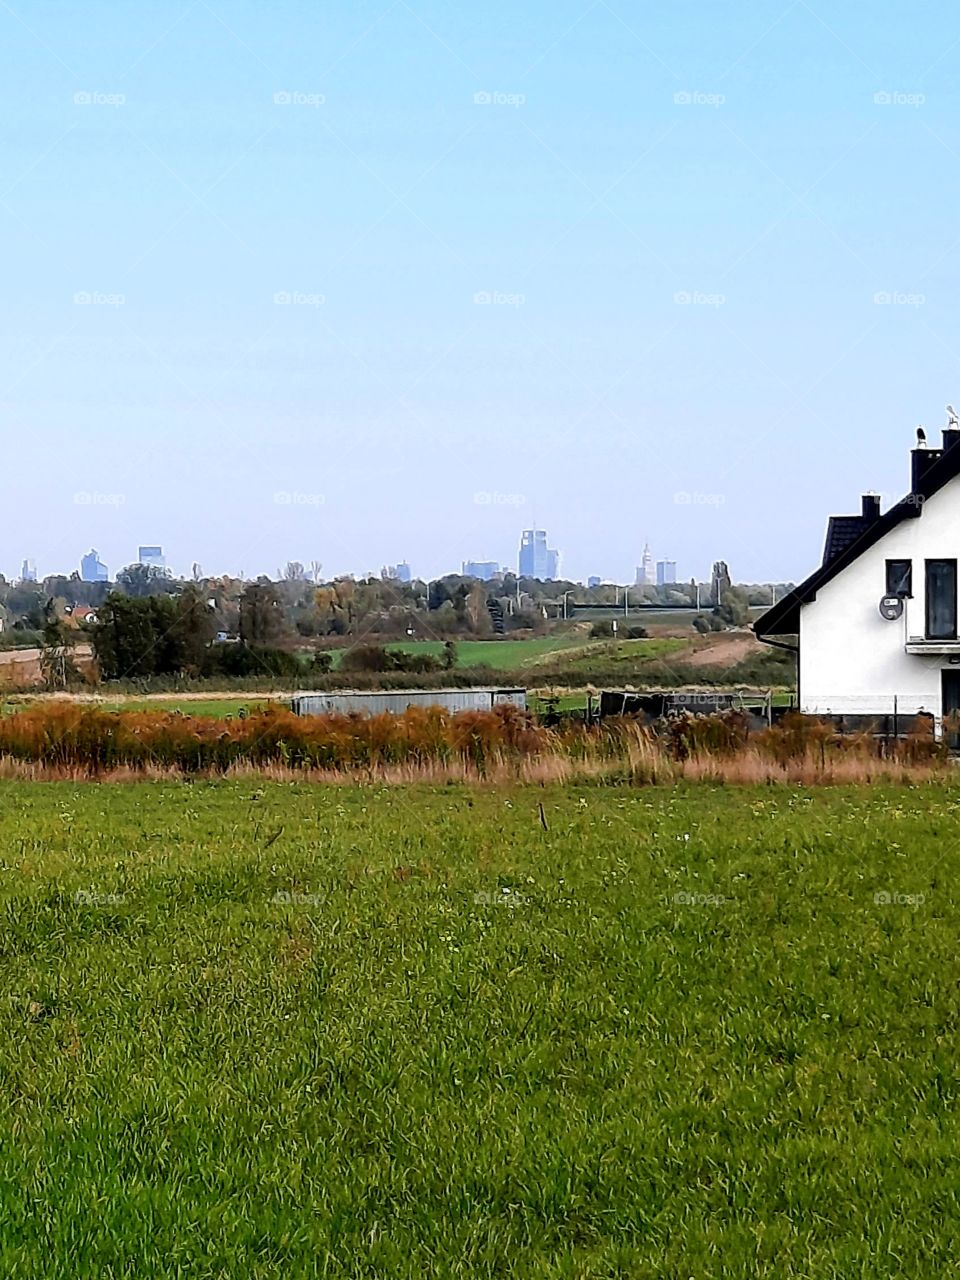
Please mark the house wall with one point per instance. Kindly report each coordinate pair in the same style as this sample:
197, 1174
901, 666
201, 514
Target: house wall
852, 661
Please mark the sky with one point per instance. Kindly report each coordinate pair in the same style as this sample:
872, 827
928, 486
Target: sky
364, 282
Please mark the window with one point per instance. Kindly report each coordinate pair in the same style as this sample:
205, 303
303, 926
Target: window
941, 599
899, 577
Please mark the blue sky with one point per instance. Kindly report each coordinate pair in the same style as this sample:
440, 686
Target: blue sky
248, 247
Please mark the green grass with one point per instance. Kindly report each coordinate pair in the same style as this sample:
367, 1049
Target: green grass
501, 655
217, 707
698, 1044
629, 654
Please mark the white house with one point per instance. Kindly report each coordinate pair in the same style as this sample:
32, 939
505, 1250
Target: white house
877, 621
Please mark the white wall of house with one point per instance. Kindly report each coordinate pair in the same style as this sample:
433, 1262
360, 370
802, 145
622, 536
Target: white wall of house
853, 661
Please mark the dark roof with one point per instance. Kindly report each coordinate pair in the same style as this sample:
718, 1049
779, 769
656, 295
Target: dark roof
784, 617
842, 531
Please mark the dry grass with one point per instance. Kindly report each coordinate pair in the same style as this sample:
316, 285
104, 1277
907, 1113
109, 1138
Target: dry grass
70, 742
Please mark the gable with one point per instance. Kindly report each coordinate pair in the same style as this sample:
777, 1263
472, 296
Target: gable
847, 541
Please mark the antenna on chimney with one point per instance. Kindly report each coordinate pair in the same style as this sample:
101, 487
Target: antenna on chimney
921, 438
953, 422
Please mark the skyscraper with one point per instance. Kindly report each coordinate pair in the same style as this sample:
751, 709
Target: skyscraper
92, 568
483, 570
645, 576
28, 571
152, 556
666, 573
396, 572
537, 560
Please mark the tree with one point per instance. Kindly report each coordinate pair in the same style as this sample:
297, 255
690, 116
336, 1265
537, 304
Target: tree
734, 607
478, 615
124, 639
140, 580
261, 615
719, 583
193, 630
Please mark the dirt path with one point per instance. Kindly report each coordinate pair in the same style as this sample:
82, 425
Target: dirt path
725, 651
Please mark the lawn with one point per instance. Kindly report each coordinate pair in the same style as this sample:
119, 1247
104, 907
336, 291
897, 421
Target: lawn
616, 653
216, 707
501, 655
263, 1029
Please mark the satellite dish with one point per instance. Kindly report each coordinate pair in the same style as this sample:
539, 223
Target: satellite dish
891, 607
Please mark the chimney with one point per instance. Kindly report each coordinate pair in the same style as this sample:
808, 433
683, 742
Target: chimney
870, 508
921, 460
950, 437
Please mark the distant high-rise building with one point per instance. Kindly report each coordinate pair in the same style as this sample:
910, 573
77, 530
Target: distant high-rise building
537, 560
152, 556
593, 581
483, 570
396, 572
645, 576
92, 568
666, 573
28, 571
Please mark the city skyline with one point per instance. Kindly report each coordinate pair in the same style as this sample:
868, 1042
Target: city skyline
91, 567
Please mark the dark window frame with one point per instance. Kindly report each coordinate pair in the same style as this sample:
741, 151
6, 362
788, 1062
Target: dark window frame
928, 631
896, 571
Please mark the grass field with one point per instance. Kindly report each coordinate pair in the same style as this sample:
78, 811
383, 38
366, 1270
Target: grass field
501, 655
218, 708
273, 1030
614, 653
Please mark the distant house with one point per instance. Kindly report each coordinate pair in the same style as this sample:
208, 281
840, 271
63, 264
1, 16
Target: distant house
877, 620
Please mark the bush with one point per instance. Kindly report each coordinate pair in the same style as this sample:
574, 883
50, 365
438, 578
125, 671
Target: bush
241, 660
373, 657
603, 630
